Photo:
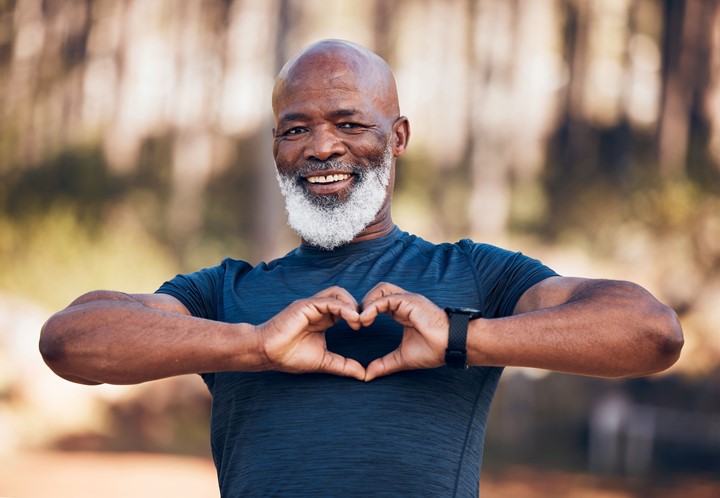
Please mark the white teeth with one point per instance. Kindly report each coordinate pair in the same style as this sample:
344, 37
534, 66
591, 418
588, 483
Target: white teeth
328, 178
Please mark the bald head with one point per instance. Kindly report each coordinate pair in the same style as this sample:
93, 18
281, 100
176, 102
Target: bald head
330, 63
337, 133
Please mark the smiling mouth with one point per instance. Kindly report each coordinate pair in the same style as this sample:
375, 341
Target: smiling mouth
325, 179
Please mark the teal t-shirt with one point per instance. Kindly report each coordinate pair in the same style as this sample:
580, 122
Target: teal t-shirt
414, 433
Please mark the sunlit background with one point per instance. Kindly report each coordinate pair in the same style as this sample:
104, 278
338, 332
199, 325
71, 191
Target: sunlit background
135, 144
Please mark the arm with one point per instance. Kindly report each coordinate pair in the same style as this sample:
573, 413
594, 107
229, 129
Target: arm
126, 339
589, 327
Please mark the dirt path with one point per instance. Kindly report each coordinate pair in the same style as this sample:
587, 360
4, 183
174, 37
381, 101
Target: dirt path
140, 475
107, 475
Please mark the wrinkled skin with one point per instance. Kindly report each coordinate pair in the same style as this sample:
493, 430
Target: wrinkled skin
337, 102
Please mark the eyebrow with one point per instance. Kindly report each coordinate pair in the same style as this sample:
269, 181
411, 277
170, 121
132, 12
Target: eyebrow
293, 116
299, 116
341, 113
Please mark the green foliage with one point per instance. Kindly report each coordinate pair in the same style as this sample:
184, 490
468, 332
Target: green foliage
76, 178
53, 258
68, 226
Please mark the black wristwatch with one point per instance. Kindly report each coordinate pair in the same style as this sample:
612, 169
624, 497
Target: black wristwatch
456, 352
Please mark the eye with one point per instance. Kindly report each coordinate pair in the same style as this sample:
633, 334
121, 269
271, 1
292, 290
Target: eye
349, 126
294, 131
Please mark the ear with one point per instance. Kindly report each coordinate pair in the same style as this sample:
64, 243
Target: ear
401, 135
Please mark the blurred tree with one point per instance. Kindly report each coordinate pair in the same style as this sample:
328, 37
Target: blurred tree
687, 48
135, 142
563, 119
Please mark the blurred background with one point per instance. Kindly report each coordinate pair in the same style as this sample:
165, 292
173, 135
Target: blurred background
135, 144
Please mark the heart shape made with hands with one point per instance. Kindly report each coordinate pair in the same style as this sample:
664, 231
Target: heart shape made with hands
297, 343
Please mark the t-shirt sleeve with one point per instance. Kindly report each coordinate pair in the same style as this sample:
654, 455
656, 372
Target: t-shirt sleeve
503, 277
200, 292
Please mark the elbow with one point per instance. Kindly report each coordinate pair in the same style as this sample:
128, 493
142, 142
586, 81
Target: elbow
53, 348
667, 338
52, 345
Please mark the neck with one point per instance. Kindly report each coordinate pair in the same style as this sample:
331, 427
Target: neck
375, 231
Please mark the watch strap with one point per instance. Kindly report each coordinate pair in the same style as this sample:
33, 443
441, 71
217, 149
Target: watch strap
456, 352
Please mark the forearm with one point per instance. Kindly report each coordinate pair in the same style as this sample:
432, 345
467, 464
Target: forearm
119, 340
606, 328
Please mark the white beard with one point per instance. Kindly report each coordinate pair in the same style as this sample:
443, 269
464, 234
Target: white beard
329, 223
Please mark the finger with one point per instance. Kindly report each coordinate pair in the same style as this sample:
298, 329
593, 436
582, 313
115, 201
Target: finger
343, 310
351, 317
324, 308
338, 293
398, 307
368, 315
348, 308
381, 290
354, 323
388, 364
335, 364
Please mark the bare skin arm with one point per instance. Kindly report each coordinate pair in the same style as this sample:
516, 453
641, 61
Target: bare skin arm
589, 327
110, 337
592, 327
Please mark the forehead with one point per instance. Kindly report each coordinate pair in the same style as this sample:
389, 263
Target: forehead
331, 91
333, 76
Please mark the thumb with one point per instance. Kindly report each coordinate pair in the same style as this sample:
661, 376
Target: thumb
388, 364
335, 364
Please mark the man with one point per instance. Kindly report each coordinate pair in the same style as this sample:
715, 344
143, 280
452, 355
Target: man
284, 345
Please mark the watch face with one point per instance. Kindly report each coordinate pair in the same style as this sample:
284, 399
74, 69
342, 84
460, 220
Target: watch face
464, 311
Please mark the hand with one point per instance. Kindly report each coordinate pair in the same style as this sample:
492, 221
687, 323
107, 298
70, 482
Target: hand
294, 339
425, 332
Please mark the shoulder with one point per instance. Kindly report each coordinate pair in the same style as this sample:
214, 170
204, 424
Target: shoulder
227, 266
484, 250
476, 253
488, 255
201, 292
230, 264
213, 275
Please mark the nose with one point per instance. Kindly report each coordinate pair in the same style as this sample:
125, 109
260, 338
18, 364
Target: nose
324, 145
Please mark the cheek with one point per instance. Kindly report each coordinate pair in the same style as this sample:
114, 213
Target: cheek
284, 155
370, 149
374, 153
